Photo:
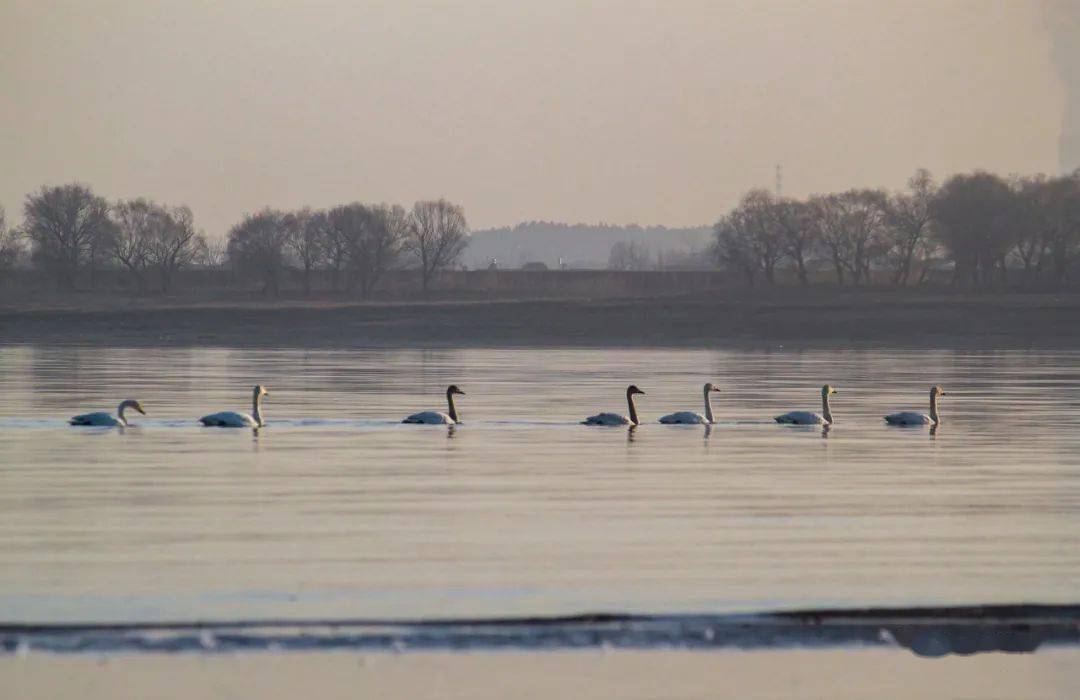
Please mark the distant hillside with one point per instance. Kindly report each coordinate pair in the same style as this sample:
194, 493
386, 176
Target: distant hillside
579, 245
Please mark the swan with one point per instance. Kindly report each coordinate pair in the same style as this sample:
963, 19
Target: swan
231, 419
808, 418
615, 418
913, 418
436, 417
101, 418
691, 418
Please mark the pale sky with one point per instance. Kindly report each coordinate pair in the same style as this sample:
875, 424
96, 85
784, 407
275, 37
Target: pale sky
569, 110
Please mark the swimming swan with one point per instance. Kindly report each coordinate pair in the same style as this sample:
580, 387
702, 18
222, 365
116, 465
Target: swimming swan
808, 418
435, 417
101, 418
231, 419
615, 418
913, 418
691, 418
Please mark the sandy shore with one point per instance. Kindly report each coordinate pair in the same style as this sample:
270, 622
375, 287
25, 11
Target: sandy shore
835, 675
918, 320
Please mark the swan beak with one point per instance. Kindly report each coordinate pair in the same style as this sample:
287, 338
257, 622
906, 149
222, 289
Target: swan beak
140, 410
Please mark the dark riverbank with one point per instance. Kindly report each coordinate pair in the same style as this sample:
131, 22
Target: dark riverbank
816, 319
931, 631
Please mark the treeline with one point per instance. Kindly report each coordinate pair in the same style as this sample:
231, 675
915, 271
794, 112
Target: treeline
984, 230
69, 234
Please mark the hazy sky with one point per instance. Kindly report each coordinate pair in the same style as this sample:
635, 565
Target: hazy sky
575, 110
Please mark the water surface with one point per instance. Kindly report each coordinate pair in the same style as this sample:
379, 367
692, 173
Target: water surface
336, 510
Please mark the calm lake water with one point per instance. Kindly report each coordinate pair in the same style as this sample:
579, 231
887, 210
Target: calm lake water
336, 510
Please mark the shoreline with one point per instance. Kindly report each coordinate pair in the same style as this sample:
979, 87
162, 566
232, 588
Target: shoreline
820, 320
925, 631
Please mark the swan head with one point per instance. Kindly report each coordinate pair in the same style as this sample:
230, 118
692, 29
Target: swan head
711, 387
453, 389
261, 391
632, 389
828, 389
936, 391
132, 403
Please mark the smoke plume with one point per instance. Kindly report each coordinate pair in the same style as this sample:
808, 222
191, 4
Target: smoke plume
1063, 26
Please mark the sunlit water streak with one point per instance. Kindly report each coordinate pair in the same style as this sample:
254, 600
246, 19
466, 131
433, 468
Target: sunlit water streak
337, 510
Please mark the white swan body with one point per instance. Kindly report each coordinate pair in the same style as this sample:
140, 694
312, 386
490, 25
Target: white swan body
916, 418
690, 417
232, 419
430, 418
106, 420
616, 418
909, 418
608, 419
809, 418
802, 418
438, 417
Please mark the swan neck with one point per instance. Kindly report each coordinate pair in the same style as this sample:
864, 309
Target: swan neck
825, 410
708, 406
933, 408
450, 405
120, 412
256, 408
633, 408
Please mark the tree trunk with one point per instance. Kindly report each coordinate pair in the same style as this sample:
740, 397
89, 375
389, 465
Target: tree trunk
800, 267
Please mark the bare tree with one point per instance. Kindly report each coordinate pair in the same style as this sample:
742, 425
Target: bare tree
437, 236
628, 255
134, 220
257, 248
977, 213
68, 226
174, 245
798, 235
378, 248
850, 226
1031, 242
758, 207
909, 220
734, 247
371, 238
1061, 207
826, 216
348, 225
151, 236
308, 233
344, 224
10, 246
864, 225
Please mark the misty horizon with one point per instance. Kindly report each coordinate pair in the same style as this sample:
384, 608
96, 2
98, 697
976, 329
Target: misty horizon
655, 116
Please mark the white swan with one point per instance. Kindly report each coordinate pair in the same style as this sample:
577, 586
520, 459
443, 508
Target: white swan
436, 417
691, 418
808, 418
103, 419
231, 419
914, 418
615, 418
